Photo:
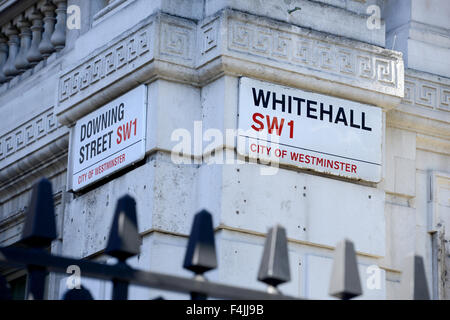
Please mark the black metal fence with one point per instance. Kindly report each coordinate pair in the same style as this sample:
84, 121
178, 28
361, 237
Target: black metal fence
40, 230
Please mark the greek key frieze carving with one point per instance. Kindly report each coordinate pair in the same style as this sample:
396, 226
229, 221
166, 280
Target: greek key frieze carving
302, 50
428, 94
100, 67
27, 133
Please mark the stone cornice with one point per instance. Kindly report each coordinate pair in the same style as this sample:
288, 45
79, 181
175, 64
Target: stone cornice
312, 53
164, 46
35, 133
46, 161
425, 108
427, 93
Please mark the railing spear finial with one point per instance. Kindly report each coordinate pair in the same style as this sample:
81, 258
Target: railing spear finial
40, 227
78, 294
274, 267
124, 240
5, 290
39, 232
413, 280
345, 283
201, 250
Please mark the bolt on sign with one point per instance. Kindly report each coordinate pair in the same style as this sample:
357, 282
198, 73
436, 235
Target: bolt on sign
109, 139
309, 130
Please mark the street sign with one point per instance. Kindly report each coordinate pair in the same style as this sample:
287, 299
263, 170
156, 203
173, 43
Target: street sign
309, 130
109, 139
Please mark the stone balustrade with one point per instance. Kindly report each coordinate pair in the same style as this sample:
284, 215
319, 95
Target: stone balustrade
31, 37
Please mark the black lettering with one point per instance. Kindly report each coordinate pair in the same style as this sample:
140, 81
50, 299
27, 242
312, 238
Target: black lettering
329, 112
299, 105
110, 134
340, 117
121, 111
96, 125
105, 120
363, 122
81, 160
289, 104
352, 124
265, 100
93, 149
89, 129
275, 101
83, 133
104, 142
309, 109
114, 115
86, 148
99, 145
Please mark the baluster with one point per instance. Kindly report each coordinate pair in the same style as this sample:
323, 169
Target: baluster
34, 56
23, 25
46, 47
9, 68
3, 57
58, 38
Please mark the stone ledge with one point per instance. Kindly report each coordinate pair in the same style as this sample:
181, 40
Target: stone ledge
426, 95
419, 124
433, 144
310, 52
30, 135
48, 160
164, 46
425, 108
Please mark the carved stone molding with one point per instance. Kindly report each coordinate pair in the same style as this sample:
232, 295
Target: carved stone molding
25, 150
47, 161
26, 134
127, 61
103, 67
168, 47
425, 107
427, 91
374, 68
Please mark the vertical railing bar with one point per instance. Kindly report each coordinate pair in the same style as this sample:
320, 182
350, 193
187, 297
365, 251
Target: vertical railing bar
36, 282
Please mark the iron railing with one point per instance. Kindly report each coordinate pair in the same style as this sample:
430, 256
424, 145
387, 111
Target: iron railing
40, 230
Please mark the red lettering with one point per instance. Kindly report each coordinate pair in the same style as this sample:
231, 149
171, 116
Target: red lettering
278, 128
291, 131
127, 131
119, 134
307, 160
259, 122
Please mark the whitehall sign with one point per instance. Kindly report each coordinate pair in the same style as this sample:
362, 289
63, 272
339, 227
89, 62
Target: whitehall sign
308, 130
109, 139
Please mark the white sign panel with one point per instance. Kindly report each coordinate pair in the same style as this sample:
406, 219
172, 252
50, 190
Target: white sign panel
309, 130
109, 139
